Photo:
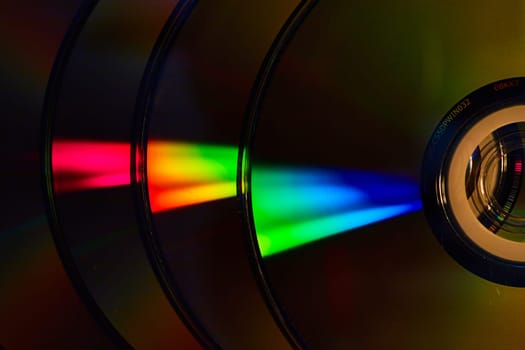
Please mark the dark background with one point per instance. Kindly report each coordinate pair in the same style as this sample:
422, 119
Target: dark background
39, 307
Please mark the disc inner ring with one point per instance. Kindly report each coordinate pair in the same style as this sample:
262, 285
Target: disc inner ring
455, 192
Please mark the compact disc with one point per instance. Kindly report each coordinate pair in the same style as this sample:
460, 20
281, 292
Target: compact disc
335, 163
39, 308
88, 136
192, 112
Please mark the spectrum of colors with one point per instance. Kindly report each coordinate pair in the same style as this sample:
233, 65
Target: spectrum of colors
183, 174
295, 206
292, 206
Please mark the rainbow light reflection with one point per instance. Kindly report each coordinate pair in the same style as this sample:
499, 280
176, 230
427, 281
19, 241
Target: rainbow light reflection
291, 206
183, 174
295, 206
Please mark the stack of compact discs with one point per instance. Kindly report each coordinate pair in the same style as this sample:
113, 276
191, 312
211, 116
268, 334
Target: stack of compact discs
279, 175
140, 162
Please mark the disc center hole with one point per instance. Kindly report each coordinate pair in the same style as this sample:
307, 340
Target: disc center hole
494, 182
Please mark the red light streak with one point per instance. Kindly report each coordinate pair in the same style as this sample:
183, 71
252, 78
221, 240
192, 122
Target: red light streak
83, 165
